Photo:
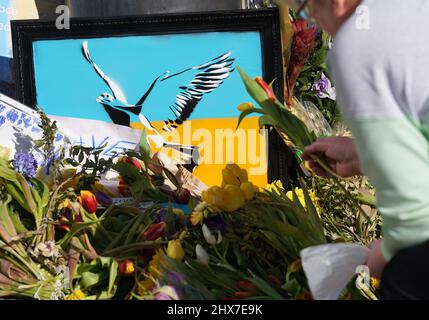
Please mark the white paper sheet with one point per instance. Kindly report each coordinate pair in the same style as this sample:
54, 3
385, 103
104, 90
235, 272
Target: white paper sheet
329, 268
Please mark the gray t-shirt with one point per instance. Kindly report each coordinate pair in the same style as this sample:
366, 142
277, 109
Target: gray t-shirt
382, 80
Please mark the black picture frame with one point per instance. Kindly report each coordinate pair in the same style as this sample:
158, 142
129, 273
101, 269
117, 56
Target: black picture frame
281, 161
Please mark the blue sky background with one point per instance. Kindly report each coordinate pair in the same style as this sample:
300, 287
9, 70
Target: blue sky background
67, 85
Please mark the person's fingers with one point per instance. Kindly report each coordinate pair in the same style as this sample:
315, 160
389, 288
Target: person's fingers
319, 171
318, 146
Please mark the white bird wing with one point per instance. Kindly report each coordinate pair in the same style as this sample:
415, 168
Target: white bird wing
114, 87
211, 75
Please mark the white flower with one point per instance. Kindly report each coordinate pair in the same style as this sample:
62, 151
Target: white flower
202, 255
210, 237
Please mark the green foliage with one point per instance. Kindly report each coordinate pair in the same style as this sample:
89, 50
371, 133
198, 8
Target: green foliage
311, 74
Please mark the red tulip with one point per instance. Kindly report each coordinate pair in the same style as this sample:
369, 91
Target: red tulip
274, 280
155, 231
243, 294
88, 201
131, 161
126, 267
246, 285
268, 90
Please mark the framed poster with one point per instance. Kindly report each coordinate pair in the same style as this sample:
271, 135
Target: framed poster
171, 75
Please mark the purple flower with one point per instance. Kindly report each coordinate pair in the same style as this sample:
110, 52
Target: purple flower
174, 278
2, 120
103, 199
162, 296
25, 164
324, 88
2, 107
167, 293
160, 216
215, 222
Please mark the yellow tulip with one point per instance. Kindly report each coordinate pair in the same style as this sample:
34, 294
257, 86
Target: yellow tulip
245, 106
228, 198
214, 196
175, 250
233, 174
234, 198
249, 190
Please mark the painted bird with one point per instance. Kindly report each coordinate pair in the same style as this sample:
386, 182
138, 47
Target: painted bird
209, 76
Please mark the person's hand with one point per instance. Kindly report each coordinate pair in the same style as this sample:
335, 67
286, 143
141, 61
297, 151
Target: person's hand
340, 154
376, 261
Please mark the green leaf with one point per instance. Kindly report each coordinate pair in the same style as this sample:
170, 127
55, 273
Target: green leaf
265, 121
145, 149
265, 287
5, 218
172, 178
244, 114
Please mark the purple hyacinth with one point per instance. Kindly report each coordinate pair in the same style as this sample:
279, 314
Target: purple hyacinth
324, 88
25, 164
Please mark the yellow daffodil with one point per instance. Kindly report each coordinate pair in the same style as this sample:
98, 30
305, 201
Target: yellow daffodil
233, 174
154, 264
300, 194
197, 217
76, 295
275, 186
245, 106
144, 286
175, 250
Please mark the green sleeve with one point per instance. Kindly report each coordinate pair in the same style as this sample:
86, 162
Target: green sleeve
394, 154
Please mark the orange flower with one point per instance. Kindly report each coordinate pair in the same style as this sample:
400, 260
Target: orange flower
88, 200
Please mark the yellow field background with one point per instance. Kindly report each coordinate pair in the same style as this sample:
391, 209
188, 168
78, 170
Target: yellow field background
220, 144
